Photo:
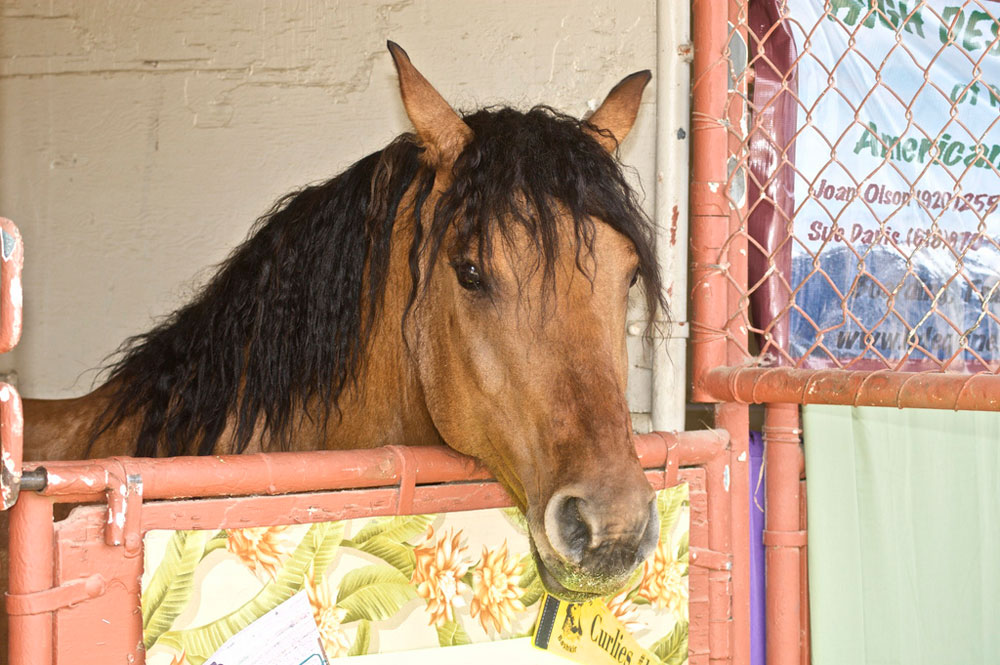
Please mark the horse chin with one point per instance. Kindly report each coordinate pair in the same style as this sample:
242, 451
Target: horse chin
571, 584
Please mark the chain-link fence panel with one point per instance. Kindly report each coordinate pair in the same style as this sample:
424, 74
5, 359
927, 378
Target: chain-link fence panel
863, 184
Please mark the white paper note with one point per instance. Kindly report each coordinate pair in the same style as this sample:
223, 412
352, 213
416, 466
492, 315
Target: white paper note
286, 635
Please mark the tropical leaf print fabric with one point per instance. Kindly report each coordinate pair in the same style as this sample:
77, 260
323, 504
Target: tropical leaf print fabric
389, 584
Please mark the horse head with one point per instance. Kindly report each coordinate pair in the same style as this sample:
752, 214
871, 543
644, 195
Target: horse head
517, 320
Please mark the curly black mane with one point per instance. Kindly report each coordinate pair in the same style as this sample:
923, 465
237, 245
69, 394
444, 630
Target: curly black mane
286, 321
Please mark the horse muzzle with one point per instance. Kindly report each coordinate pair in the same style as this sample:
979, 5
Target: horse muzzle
593, 546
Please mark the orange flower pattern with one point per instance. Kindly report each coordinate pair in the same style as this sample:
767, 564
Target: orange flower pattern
448, 580
625, 611
438, 574
179, 659
261, 549
327, 615
663, 583
496, 594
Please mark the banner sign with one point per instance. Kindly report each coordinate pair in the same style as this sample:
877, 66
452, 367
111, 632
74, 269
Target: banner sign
895, 260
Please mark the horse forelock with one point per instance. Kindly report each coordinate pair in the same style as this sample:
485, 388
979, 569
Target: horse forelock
287, 320
524, 172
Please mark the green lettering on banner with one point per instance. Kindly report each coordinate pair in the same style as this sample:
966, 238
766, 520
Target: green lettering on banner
949, 152
969, 40
966, 29
890, 145
977, 151
993, 159
853, 8
889, 13
925, 145
952, 19
913, 23
868, 140
908, 149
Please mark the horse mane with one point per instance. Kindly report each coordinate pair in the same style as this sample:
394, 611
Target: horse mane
286, 321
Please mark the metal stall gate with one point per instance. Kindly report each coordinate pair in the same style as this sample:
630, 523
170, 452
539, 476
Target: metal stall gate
75, 583
844, 234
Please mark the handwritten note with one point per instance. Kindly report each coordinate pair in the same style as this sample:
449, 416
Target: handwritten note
286, 635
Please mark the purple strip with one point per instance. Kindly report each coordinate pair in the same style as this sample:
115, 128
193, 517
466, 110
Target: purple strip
758, 631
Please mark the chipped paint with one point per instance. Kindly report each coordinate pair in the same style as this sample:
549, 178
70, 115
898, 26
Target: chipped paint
4, 394
9, 242
16, 293
742, 457
674, 215
713, 187
725, 478
17, 424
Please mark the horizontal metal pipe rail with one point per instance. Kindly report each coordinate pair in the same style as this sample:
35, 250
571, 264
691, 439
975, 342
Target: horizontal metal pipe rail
288, 473
920, 390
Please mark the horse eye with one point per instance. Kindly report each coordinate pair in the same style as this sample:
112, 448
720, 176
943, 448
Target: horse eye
469, 277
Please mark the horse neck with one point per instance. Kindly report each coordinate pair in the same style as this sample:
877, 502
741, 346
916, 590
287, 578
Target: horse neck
386, 407
62, 428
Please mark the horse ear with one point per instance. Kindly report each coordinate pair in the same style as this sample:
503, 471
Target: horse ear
443, 133
617, 114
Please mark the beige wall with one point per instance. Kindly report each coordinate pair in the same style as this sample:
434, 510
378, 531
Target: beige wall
139, 140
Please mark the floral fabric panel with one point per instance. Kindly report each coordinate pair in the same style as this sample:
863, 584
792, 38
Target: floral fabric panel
387, 584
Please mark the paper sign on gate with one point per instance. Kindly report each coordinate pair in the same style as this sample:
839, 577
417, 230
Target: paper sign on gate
286, 635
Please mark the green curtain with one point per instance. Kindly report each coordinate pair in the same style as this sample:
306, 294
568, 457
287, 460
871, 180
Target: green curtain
904, 535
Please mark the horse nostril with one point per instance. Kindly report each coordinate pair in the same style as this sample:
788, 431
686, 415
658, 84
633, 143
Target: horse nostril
568, 531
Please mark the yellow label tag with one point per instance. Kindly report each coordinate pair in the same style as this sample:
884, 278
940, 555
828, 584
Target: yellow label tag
588, 633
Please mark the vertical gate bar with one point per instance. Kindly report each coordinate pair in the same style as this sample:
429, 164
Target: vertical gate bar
734, 418
31, 570
673, 157
783, 461
720, 619
709, 224
737, 415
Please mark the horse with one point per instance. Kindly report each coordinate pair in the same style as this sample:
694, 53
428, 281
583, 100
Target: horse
466, 285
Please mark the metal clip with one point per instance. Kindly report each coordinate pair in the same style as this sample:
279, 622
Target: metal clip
701, 557
56, 598
407, 479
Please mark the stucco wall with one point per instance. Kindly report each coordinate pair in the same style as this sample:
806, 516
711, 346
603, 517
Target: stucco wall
139, 140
